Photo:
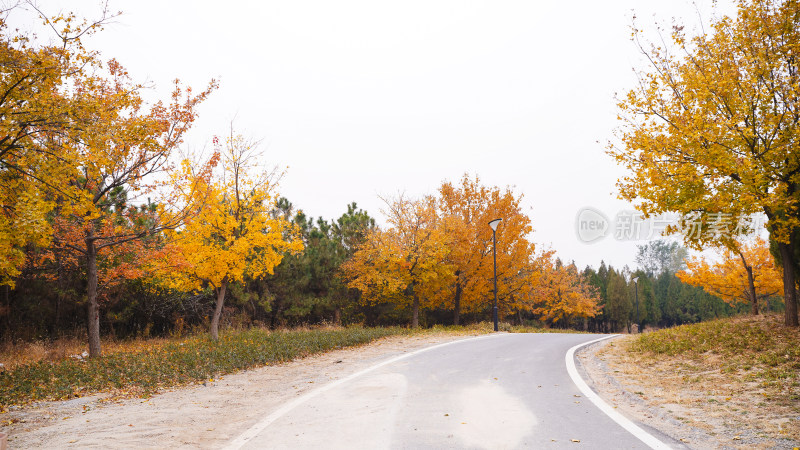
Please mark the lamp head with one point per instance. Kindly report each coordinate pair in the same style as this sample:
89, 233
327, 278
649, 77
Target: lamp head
495, 223
636, 280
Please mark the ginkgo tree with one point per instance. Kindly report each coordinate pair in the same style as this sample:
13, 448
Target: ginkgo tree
745, 275
713, 126
235, 235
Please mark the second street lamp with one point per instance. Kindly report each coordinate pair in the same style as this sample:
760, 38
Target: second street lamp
636, 290
494, 225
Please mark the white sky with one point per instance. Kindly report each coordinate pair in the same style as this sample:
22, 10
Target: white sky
368, 98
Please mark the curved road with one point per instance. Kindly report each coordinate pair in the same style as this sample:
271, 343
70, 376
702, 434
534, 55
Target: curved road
499, 391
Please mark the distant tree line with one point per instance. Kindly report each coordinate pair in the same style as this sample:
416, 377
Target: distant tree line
663, 300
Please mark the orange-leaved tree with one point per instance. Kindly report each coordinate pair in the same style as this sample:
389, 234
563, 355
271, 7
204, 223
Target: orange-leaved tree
39, 109
236, 235
128, 148
745, 275
406, 263
466, 209
561, 293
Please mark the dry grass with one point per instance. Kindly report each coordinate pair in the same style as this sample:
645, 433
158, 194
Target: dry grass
14, 354
729, 376
142, 367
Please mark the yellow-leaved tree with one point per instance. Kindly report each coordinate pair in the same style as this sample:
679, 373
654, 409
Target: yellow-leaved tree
745, 275
79, 152
235, 235
406, 263
712, 128
41, 106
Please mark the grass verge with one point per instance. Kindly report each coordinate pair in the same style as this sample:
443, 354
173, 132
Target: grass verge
736, 377
172, 363
758, 349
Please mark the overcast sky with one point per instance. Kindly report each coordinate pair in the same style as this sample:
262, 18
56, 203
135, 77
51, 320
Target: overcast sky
368, 98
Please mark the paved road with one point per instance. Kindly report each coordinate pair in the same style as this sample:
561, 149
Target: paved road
502, 391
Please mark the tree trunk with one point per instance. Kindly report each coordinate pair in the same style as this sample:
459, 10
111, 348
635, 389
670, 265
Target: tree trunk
415, 311
218, 310
457, 303
91, 294
277, 304
751, 286
752, 291
7, 304
337, 316
789, 288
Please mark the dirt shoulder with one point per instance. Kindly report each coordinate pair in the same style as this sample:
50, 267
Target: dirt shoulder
706, 409
200, 416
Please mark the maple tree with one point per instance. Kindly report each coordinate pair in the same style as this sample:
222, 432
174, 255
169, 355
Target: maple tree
235, 235
466, 209
126, 148
406, 263
561, 293
744, 275
78, 134
40, 106
713, 128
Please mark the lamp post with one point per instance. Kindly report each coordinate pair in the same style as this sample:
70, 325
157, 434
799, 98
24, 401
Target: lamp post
494, 225
638, 322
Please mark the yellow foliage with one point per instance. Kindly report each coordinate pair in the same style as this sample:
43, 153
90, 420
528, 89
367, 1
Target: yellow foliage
234, 235
561, 293
729, 280
713, 126
404, 264
466, 210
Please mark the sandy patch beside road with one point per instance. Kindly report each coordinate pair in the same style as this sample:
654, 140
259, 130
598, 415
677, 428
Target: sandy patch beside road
200, 416
701, 414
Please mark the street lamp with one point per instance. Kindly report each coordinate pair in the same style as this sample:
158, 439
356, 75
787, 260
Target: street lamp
494, 225
638, 323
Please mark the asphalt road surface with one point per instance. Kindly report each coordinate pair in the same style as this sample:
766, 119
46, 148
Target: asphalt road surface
496, 392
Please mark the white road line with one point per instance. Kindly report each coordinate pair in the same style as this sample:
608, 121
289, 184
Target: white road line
634, 429
253, 431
